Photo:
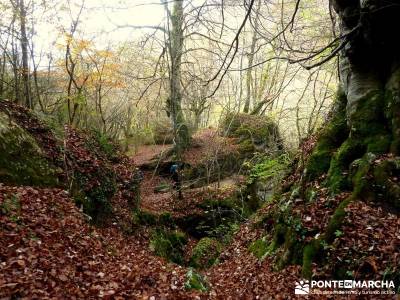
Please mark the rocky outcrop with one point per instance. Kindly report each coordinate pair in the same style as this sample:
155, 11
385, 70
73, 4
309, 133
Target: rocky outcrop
22, 161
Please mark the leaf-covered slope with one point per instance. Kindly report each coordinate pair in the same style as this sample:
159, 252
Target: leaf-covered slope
87, 164
47, 249
29, 153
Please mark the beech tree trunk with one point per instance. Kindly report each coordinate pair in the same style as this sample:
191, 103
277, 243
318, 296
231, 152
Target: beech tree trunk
249, 75
174, 103
360, 147
369, 63
25, 57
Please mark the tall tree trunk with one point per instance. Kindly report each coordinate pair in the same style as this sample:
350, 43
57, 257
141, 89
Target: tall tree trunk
15, 67
25, 56
366, 124
249, 75
358, 150
369, 70
2, 75
181, 131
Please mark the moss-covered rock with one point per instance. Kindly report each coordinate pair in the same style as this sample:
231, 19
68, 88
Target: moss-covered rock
169, 244
163, 132
93, 180
255, 133
212, 168
339, 167
22, 161
205, 253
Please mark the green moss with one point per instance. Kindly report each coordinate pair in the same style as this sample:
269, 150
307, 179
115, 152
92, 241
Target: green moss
378, 144
339, 168
369, 123
11, 207
205, 253
195, 281
309, 253
386, 189
169, 244
331, 137
260, 248
292, 248
269, 168
319, 162
246, 146
22, 162
336, 220
254, 132
337, 180
360, 180
143, 217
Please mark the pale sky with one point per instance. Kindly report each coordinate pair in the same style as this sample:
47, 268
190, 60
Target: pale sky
102, 21
103, 16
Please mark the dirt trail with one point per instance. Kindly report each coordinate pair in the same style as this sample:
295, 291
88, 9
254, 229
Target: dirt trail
146, 153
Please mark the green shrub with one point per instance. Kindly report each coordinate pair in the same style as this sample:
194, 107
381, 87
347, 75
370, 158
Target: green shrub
11, 207
269, 168
195, 281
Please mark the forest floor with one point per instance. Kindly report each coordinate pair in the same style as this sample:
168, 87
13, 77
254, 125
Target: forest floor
52, 252
49, 250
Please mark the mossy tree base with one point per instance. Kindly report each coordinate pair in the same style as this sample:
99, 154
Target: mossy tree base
356, 153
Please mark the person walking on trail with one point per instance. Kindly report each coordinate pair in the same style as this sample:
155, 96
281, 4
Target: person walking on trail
176, 177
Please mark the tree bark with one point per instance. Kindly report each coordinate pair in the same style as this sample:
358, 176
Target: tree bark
366, 120
25, 55
181, 131
249, 75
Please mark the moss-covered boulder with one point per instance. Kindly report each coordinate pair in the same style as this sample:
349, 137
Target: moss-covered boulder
355, 158
88, 164
163, 133
22, 161
169, 244
255, 133
205, 253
